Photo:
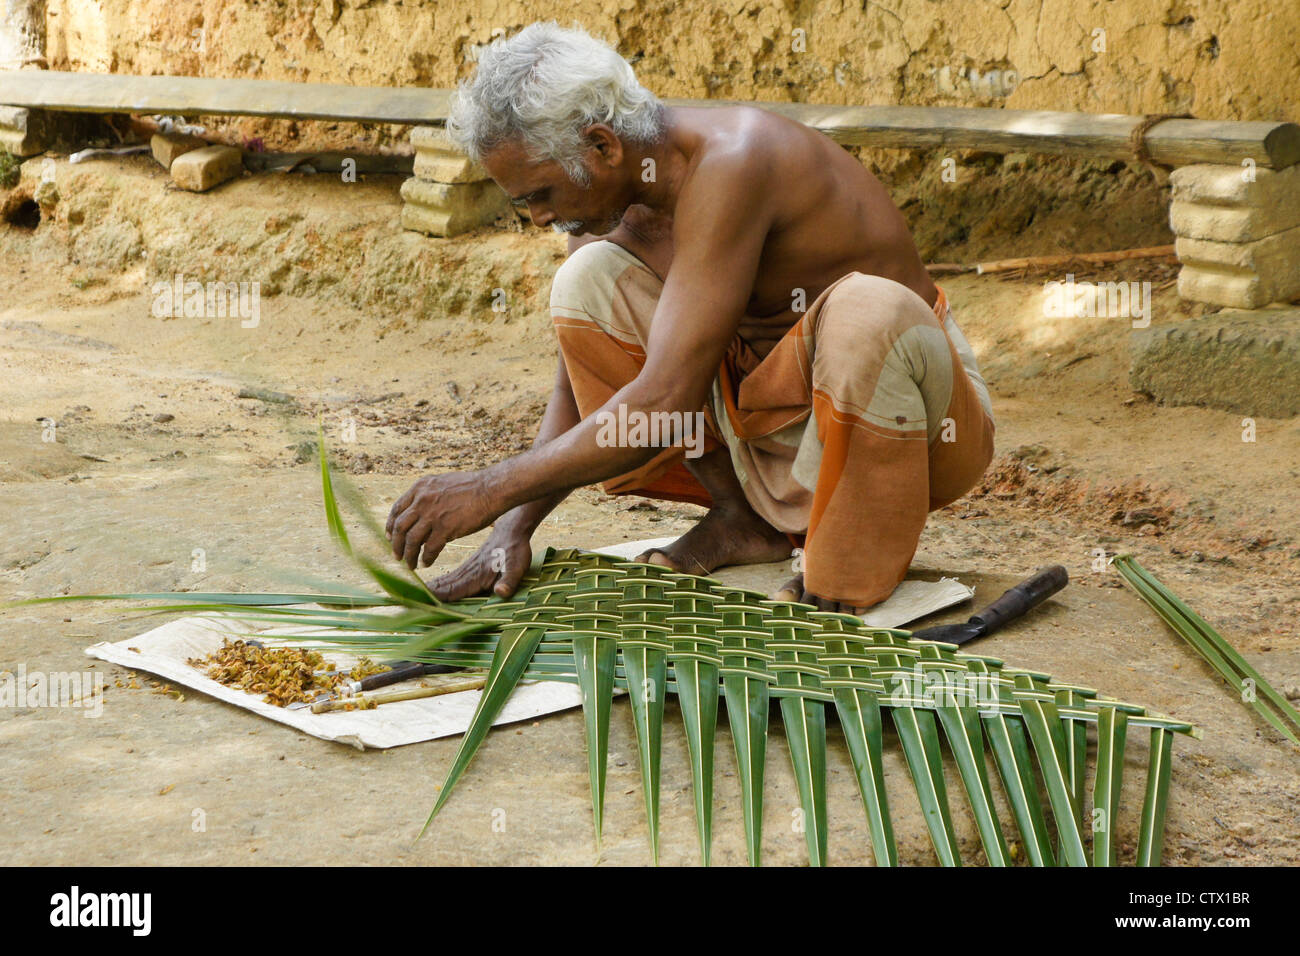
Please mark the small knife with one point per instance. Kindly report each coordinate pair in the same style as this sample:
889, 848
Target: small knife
400, 671
389, 696
1013, 604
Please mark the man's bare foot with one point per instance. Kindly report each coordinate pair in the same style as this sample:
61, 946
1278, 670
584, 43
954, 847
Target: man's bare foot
731, 533
728, 534
793, 590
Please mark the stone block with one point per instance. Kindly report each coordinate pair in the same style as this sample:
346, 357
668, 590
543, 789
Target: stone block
448, 209
201, 169
1234, 185
438, 160
1247, 363
22, 131
166, 147
1233, 223
1236, 290
1280, 251
1274, 261
441, 168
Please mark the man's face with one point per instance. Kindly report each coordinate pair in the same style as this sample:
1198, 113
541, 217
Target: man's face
551, 197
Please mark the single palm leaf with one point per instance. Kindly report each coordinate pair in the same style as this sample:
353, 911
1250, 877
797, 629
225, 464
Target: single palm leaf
803, 711
1038, 708
644, 645
508, 665
1112, 727
855, 689
1151, 833
745, 680
1249, 684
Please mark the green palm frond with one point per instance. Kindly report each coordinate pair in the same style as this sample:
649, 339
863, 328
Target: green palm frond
1250, 685
606, 625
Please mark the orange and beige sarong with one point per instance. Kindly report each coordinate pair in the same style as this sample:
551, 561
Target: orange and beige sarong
867, 415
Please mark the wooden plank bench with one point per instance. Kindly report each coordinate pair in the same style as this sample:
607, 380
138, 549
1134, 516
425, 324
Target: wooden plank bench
1174, 142
1236, 195
206, 96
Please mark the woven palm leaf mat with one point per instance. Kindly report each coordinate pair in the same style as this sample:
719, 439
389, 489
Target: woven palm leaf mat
608, 624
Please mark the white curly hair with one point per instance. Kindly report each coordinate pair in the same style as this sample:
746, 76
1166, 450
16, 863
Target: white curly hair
541, 87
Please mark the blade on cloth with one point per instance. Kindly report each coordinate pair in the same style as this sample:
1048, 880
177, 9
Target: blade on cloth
949, 633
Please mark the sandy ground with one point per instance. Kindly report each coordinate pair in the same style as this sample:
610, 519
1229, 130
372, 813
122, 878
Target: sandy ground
123, 496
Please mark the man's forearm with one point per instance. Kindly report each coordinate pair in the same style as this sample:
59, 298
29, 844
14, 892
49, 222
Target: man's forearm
525, 518
561, 415
573, 459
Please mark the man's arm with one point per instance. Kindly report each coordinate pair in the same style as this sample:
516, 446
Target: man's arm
504, 557
721, 221
561, 415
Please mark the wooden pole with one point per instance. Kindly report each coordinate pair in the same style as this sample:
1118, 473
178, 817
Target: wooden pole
1088, 258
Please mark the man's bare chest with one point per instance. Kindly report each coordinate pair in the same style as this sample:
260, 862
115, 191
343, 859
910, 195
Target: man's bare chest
782, 283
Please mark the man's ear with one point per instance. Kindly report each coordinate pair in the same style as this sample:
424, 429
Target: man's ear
605, 142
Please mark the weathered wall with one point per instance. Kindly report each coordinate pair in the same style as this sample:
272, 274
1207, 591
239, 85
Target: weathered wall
1228, 59
22, 33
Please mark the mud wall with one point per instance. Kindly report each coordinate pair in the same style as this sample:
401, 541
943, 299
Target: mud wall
1218, 59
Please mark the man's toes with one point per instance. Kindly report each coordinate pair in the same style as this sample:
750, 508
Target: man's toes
838, 607
655, 556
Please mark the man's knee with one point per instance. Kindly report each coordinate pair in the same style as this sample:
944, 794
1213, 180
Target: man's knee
865, 311
603, 284
585, 278
879, 347
868, 322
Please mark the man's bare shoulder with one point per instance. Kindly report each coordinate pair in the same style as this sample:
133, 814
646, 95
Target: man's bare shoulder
740, 132
789, 168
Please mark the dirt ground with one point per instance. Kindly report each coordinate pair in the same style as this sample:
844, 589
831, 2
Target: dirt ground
155, 456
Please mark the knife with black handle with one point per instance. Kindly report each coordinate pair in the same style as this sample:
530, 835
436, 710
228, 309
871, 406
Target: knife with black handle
1017, 601
398, 672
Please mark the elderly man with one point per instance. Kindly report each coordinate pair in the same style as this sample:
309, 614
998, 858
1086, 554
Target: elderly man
728, 267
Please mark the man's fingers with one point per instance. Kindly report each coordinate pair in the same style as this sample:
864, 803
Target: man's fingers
414, 540
457, 584
402, 528
433, 546
448, 587
400, 505
422, 536
399, 542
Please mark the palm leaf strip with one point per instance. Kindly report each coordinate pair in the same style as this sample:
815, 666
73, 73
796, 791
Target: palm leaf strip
1249, 684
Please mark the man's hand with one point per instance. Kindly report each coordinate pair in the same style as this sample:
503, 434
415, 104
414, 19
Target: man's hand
498, 565
437, 509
